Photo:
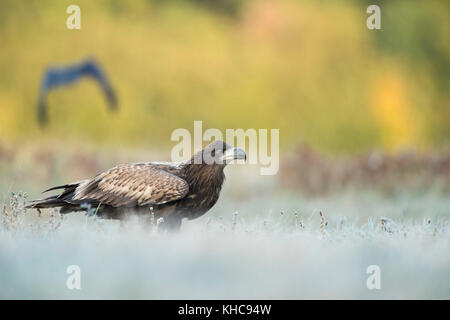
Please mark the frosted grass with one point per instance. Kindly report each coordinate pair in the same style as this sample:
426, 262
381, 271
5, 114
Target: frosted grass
227, 255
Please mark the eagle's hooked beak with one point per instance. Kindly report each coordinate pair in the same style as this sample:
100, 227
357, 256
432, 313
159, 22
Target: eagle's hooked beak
234, 154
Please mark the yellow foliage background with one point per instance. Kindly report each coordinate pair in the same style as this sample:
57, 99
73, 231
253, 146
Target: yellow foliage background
310, 68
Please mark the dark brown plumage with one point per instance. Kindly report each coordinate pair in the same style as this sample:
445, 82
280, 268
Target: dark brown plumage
173, 190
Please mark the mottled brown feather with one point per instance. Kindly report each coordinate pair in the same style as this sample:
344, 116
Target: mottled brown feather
133, 185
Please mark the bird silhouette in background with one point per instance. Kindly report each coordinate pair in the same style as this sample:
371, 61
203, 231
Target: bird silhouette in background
60, 76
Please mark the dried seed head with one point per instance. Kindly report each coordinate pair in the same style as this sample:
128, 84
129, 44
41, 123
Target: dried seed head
234, 221
152, 216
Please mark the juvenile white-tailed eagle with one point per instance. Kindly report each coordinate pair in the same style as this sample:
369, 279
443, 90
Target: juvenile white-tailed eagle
173, 190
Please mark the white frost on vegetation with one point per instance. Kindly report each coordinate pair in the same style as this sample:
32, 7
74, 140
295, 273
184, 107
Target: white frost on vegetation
284, 255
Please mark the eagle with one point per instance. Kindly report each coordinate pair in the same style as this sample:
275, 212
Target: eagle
167, 190
58, 76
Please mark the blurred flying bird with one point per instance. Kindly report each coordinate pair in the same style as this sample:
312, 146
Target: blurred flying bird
171, 191
64, 75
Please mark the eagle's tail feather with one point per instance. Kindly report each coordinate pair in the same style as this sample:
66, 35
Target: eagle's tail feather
56, 188
67, 187
49, 202
62, 200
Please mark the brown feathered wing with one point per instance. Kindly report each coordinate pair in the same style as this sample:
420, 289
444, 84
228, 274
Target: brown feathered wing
133, 185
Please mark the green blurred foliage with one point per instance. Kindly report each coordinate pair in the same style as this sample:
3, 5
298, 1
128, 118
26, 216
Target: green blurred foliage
419, 35
311, 69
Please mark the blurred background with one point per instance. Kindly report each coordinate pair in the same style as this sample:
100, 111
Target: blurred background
354, 106
311, 69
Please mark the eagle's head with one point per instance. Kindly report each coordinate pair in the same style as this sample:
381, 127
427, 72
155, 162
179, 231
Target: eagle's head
219, 154
204, 171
